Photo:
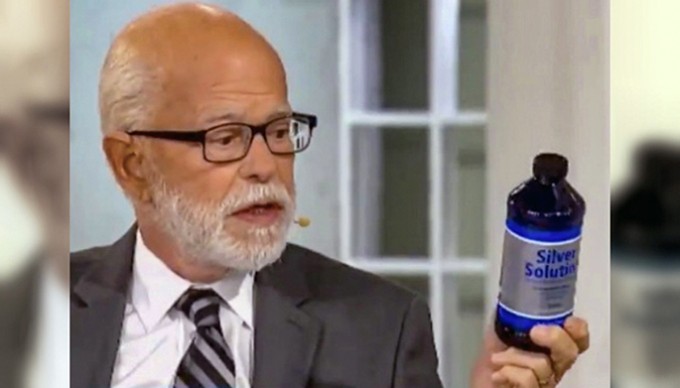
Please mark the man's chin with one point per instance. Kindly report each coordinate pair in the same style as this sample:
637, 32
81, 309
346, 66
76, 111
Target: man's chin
246, 255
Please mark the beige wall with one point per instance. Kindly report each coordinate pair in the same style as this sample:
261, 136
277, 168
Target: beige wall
20, 232
33, 66
645, 76
548, 91
33, 51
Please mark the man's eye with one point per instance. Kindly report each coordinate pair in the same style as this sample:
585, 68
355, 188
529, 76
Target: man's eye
281, 133
226, 140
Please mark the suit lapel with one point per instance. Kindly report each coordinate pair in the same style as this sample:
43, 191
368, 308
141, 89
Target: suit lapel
285, 336
97, 313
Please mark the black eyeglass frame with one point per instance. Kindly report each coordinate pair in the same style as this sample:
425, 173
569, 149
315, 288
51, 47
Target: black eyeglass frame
199, 136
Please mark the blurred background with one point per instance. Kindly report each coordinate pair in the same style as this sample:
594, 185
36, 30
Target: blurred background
430, 113
34, 151
645, 162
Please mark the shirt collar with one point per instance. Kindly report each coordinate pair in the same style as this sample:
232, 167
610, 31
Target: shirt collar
237, 290
155, 288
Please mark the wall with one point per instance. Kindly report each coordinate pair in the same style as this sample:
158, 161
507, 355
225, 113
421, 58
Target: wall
548, 90
645, 79
305, 34
34, 47
20, 231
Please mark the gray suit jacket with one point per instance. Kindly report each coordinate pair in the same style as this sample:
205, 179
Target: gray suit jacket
318, 323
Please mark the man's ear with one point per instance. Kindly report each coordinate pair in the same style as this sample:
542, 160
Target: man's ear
126, 161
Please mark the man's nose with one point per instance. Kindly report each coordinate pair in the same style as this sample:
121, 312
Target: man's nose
259, 165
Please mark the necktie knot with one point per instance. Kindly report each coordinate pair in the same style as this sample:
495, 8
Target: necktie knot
201, 306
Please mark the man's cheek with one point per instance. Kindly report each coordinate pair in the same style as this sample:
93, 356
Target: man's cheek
287, 174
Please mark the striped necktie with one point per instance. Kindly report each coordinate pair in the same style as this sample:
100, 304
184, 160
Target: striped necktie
209, 362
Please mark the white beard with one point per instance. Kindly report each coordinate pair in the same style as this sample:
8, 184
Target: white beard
199, 230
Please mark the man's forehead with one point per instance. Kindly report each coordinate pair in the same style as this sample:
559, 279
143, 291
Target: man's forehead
242, 115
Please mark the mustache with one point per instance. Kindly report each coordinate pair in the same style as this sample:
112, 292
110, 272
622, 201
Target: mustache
258, 194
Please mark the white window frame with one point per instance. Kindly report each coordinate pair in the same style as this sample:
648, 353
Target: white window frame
357, 81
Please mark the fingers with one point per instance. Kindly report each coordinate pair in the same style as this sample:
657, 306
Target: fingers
540, 364
563, 349
515, 377
577, 329
518, 368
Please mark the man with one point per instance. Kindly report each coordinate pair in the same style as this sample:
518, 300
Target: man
204, 291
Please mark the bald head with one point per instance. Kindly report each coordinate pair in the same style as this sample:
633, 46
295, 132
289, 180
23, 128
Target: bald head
184, 66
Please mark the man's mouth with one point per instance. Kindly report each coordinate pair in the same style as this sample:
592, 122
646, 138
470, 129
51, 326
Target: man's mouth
260, 214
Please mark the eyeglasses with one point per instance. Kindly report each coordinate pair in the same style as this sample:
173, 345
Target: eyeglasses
231, 142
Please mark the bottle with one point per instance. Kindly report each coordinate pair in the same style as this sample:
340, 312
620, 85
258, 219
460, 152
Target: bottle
540, 253
645, 271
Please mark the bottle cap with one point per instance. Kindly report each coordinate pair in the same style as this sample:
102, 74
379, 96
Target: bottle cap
550, 167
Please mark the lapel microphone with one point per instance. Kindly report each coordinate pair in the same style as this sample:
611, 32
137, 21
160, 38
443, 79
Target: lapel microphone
303, 221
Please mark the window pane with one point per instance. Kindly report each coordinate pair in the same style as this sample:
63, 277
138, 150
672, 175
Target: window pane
390, 182
472, 55
404, 45
465, 192
464, 325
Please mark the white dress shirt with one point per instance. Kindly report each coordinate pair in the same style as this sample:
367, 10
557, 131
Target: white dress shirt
155, 336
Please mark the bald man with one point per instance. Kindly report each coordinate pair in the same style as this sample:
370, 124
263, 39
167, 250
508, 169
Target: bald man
204, 291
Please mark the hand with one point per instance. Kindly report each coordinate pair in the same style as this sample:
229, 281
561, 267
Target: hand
518, 368
503, 367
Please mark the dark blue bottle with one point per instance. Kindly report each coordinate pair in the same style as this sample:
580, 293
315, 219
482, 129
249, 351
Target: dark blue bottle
540, 253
